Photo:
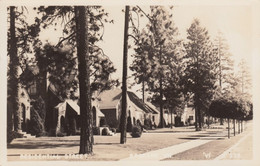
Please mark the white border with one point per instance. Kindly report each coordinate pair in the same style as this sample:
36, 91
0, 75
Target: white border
255, 4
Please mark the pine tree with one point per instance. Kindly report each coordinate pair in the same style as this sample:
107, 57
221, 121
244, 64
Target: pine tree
86, 134
244, 83
13, 74
101, 66
155, 44
225, 66
200, 73
21, 38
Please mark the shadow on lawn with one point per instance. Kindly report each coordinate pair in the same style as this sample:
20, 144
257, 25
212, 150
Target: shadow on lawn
106, 143
188, 138
184, 131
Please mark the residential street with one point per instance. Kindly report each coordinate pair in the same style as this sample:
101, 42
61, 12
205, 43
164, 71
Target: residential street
142, 81
181, 143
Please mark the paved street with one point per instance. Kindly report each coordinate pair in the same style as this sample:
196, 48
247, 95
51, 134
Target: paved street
163, 144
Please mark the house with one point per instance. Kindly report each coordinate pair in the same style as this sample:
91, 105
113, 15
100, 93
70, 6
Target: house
23, 111
110, 106
167, 116
62, 114
156, 116
188, 117
38, 86
67, 116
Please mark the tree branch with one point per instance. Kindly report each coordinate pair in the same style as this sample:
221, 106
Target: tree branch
150, 19
62, 39
133, 37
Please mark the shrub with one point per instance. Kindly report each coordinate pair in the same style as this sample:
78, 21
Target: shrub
147, 124
103, 122
114, 124
105, 131
154, 125
136, 131
118, 130
60, 134
36, 124
129, 124
113, 130
96, 131
12, 135
146, 127
42, 134
77, 132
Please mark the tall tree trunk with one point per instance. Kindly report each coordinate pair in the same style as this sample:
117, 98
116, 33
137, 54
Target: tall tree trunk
221, 121
196, 118
234, 126
143, 90
14, 62
161, 93
199, 118
171, 118
86, 135
238, 126
241, 126
208, 121
124, 81
228, 129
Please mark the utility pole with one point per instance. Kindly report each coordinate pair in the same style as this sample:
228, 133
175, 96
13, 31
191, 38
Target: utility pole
124, 81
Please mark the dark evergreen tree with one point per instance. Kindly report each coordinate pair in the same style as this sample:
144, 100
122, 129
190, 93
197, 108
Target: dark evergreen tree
157, 51
201, 68
86, 134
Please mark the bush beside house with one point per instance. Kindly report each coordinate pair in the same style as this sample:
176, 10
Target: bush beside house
36, 124
136, 131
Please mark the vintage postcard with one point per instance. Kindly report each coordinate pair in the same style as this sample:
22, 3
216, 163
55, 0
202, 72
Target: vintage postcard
116, 82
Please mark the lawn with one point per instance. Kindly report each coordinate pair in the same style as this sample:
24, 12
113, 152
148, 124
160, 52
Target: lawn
215, 148
105, 147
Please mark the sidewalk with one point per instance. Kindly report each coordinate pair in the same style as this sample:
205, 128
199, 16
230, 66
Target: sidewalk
201, 138
161, 154
243, 149
201, 149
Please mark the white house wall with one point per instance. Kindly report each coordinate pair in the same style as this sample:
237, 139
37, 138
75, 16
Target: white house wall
24, 99
135, 111
61, 108
189, 111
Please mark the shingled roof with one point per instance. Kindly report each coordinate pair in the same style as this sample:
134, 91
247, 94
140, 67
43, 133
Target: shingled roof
138, 102
110, 98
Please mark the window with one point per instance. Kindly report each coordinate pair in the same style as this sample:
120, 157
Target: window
191, 117
32, 89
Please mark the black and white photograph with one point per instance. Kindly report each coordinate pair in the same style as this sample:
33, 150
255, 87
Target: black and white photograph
117, 82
